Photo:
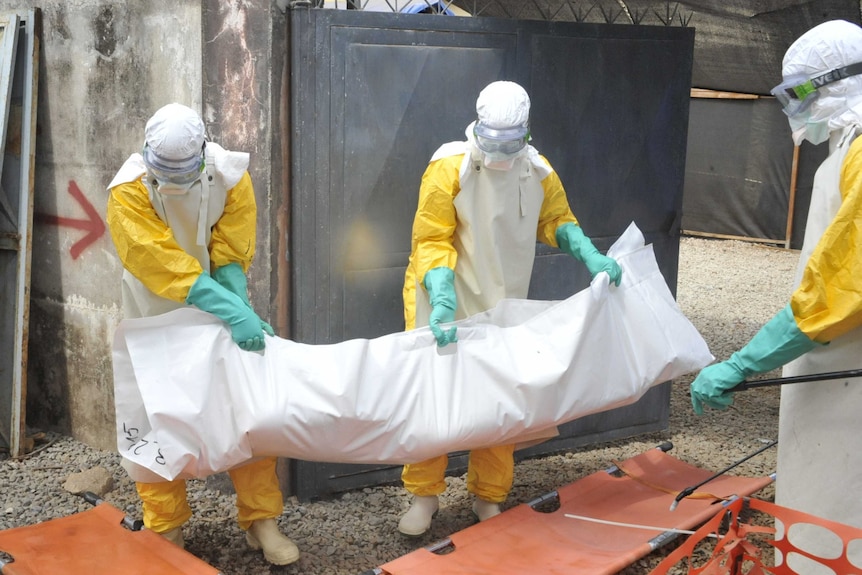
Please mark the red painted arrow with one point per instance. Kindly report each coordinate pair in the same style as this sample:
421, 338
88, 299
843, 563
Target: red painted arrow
93, 225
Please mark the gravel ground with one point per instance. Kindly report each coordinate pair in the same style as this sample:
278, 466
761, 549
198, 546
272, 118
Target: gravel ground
728, 289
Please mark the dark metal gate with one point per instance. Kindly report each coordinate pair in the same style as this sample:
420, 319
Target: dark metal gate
374, 94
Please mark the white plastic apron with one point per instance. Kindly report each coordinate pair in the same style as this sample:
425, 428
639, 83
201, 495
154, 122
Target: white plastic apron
819, 456
498, 214
190, 216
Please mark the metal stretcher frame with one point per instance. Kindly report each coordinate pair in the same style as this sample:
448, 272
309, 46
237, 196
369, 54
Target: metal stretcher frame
94, 542
620, 502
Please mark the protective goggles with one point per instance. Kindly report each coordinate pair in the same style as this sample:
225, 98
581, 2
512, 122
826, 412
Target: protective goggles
507, 141
796, 93
180, 172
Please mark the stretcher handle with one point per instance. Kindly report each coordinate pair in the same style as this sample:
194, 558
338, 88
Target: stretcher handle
664, 447
553, 497
746, 385
127, 522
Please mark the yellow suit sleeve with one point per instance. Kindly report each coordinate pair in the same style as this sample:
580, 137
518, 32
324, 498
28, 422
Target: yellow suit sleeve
233, 236
555, 208
147, 246
433, 228
828, 301
435, 220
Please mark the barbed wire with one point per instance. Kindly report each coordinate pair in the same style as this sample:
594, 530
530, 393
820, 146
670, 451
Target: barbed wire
599, 11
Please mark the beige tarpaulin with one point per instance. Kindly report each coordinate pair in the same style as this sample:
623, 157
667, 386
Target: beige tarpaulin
191, 403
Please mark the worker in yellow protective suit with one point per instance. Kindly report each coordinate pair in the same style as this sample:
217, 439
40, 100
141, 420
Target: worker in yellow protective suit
819, 462
182, 217
483, 203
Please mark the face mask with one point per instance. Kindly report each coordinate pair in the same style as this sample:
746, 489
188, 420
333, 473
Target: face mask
815, 132
499, 161
172, 189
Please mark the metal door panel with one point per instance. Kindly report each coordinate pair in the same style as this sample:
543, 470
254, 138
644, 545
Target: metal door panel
612, 126
19, 55
378, 147
378, 142
10, 374
375, 94
8, 48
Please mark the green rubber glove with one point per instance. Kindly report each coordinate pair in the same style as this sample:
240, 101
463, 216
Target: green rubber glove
233, 278
245, 326
440, 285
572, 240
778, 342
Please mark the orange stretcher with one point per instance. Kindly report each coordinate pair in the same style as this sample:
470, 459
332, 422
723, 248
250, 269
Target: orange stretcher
601, 523
94, 542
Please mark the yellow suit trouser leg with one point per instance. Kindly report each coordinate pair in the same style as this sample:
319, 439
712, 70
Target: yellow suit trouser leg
165, 504
426, 477
489, 474
258, 496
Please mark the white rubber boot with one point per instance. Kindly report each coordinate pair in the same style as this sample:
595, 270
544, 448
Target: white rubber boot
277, 549
485, 509
417, 520
175, 536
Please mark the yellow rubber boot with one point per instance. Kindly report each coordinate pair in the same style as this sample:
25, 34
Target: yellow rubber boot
485, 509
417, 520
277, 549
175, 536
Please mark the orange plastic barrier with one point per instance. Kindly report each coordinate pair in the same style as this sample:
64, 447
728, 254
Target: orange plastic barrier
93, 542
735, 553
526, 540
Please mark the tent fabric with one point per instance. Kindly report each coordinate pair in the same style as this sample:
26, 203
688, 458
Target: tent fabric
190, 403
738, 46
604, 522
738, 171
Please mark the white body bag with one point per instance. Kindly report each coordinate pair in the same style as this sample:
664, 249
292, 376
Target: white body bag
190, 402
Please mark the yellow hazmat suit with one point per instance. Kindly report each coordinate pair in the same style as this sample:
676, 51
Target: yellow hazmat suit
828, 301
483, 224
819, 468
818, 430
165, 241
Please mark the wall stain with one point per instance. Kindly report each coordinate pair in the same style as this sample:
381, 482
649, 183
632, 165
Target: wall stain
104, 34
59, 22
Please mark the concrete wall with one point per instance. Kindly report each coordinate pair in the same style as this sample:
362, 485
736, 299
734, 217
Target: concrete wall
105, 67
